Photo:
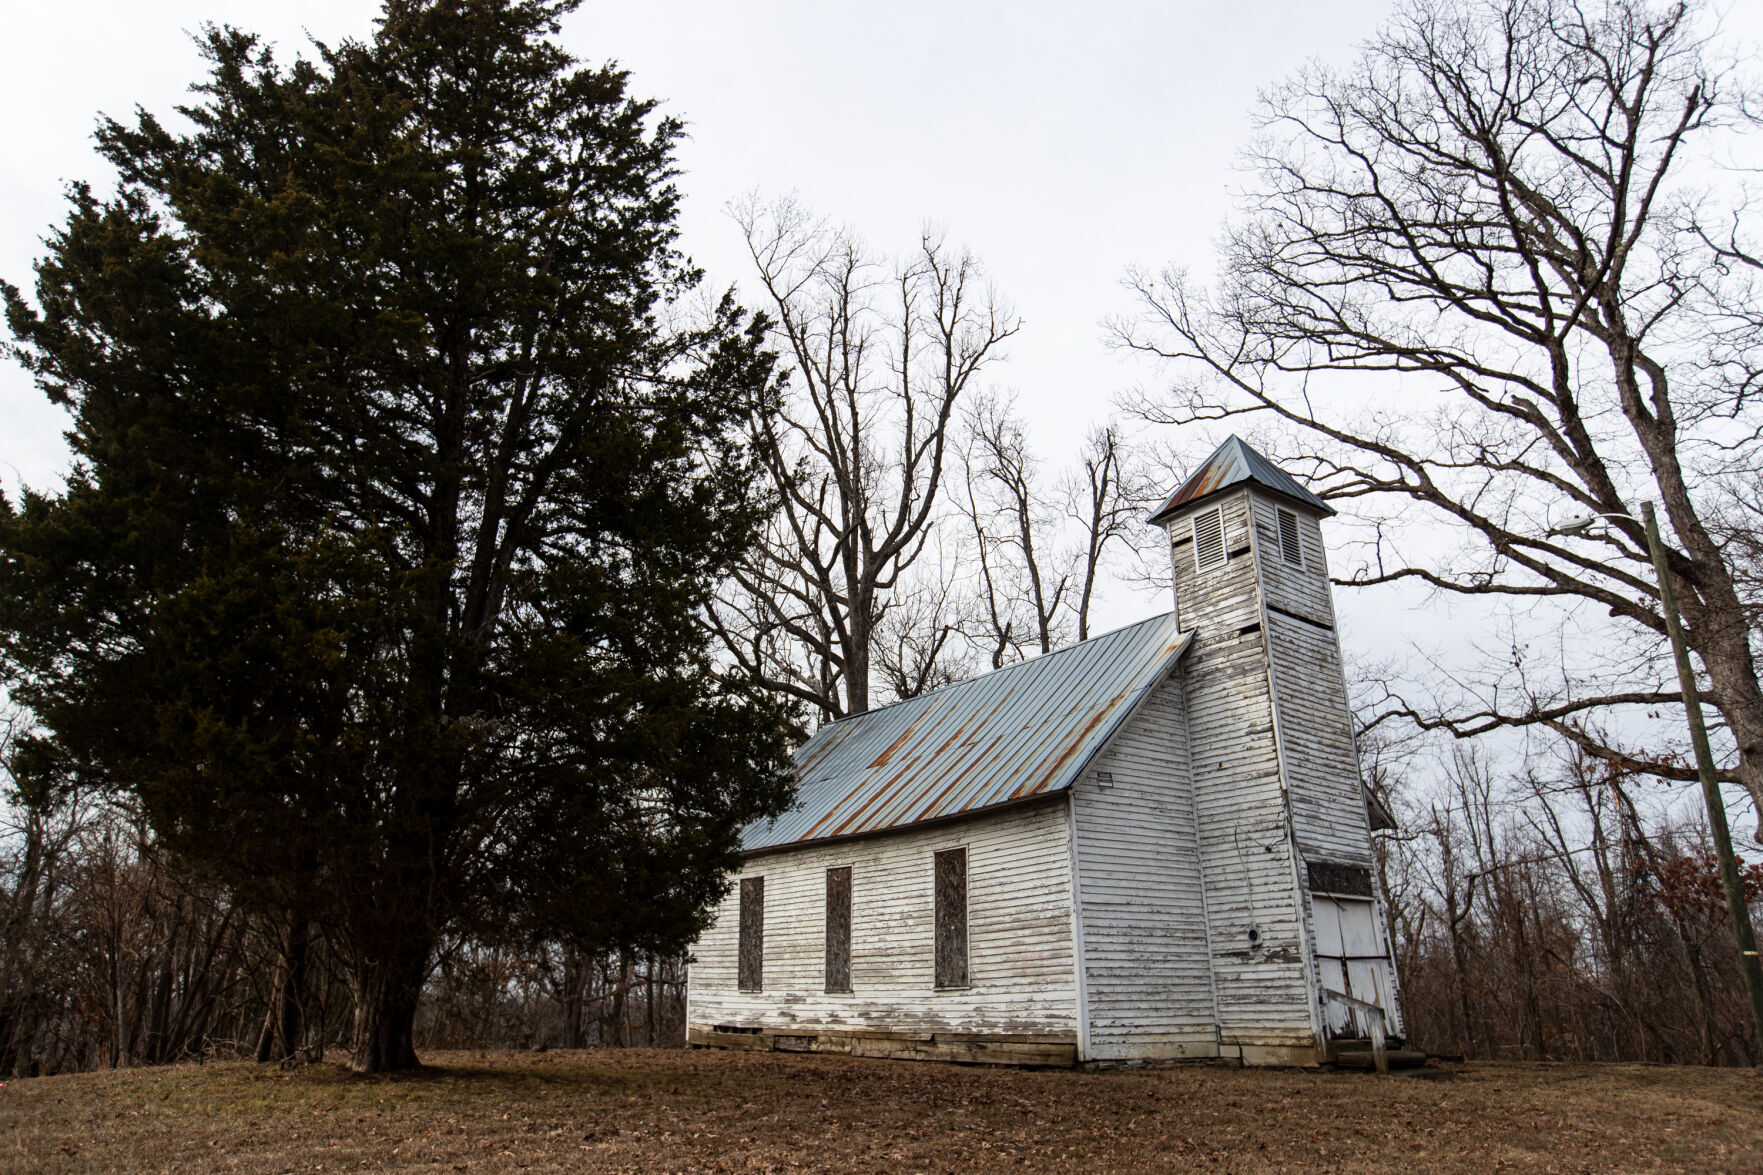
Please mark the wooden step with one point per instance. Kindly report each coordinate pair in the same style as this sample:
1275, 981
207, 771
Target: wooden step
1353, 1054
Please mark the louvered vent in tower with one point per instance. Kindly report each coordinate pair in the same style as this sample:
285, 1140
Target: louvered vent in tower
1209, 538
1289, 550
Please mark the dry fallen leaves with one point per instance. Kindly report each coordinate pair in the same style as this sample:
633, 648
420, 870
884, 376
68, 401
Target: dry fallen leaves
698, 1113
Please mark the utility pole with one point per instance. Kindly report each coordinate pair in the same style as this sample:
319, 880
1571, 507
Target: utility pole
1692, 704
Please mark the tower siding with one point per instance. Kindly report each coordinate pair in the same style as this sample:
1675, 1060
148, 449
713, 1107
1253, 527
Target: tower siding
1328, 809
1247, 861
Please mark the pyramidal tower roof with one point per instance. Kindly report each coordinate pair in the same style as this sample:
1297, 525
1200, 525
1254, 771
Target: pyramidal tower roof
1233, 463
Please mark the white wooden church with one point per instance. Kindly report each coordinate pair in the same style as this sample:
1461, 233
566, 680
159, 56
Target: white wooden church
1153, 844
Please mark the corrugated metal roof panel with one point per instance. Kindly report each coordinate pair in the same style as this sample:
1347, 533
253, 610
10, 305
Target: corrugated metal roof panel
1024, 730
1231, 463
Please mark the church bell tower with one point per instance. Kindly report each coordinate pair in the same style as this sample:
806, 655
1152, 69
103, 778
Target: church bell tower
1283, 822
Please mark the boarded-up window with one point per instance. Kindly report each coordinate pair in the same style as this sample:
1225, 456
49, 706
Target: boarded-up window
952, 918
838, 929
1289, 550
1209, 538
752, 976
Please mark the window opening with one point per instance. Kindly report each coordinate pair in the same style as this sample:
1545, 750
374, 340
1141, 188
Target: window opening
1209, 539
838, 929
951, 918
752, 969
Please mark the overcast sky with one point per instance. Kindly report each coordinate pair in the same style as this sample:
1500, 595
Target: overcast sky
1062, 143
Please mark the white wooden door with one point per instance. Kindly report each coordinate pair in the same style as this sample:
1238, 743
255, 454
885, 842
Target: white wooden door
1350, 959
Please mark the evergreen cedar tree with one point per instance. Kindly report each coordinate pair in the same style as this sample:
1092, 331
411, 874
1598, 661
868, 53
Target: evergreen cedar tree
399, 491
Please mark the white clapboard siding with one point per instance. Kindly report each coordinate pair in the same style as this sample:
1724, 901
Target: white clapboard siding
1148, 978
1250, 874
1328, 808
1021, 961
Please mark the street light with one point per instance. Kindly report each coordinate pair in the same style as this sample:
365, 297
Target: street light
1692, 704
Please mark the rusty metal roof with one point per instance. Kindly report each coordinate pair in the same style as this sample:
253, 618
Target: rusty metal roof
1232, 463
1021, 731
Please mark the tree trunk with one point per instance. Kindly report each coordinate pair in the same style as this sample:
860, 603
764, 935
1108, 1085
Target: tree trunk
1460, 957
1726, 654
620, 1028
857, 656
266, 1035
649, 1000
16, 981
1705, 1025
575, 979
284, 1022
386, 991
291, 996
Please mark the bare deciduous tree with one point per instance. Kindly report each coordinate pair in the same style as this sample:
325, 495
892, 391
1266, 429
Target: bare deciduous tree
1107, 497
1492, 221
1024, 576
880, 356
1041, 554
919, 645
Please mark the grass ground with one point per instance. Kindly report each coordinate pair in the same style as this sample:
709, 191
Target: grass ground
672, 1111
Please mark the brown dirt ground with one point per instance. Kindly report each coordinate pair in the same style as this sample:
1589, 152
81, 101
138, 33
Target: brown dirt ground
674, 1111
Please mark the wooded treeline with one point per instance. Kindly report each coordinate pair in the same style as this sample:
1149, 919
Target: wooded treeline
113, 955
1567, 910
1564, 912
